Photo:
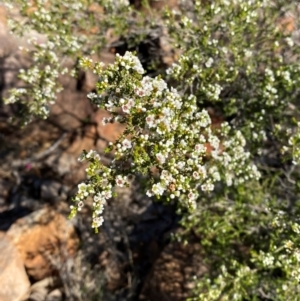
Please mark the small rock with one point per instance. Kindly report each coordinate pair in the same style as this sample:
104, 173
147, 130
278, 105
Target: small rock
14, 281
55, 295
63, 163
110, 131
87, 81
113, 271
68, 116
172, 273
43, 289
44, 239
52, 190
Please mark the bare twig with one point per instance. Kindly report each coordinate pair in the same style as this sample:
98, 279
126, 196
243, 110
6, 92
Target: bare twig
45, 153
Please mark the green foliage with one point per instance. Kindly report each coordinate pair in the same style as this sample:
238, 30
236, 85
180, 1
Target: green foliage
236, 58
165, 139
239, 60
66, 30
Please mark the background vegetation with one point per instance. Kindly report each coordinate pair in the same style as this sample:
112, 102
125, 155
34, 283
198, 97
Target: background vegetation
235, 64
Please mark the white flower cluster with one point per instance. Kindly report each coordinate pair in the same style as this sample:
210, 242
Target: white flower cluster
41, 83
174, 70
130, 61
89, 189
166, 133
62, 30
234, 161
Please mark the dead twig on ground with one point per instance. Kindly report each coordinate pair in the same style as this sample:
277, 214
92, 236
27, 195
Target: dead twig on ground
45, 153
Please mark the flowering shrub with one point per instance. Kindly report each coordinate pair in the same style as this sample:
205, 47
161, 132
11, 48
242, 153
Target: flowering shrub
165, 139
249, 244
240, 181
66, 30
240, 58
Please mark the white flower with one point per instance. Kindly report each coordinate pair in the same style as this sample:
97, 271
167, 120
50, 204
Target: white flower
159, 84
207, 187
196, 175
289, 41
161, 158
104, 121
167, 111
82, 187
186, 21
190, 162
99, 209
97, 198
138, 66
209, 62
202, 171
200, 148
127, 144
158, 189
126, 108
191, 195
164, 174
180, 165
150, 120
92, 96
140, 92
121, 180
229, 179
214, 141
149, 193
204, 118
92, 154
98, 221
83, 190
131, 103
248, 53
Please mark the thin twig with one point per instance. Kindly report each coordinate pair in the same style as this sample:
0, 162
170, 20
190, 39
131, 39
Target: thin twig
41, 155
